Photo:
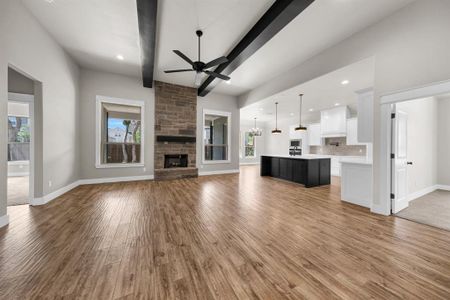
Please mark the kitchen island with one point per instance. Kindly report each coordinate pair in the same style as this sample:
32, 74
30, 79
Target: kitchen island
308, 170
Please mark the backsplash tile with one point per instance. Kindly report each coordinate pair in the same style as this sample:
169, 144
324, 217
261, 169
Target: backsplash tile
342, 149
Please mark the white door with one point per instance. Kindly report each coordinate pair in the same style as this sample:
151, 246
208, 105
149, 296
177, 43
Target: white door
399, 187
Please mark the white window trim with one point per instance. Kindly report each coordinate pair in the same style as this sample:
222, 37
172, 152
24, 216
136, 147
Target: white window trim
98, 140
254, 146
222, 114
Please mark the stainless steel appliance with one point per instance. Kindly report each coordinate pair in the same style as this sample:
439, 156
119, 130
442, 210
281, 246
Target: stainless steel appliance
295, 148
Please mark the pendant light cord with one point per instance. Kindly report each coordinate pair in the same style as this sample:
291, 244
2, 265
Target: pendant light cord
300, 116
276, 115
198, 48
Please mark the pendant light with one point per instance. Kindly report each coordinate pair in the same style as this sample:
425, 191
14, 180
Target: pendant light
276, 130
300, 127
255, 131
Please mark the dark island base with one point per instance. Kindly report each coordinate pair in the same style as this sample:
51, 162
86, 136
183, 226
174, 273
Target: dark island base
310, 172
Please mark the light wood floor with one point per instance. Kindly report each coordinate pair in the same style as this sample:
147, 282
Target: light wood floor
18, 190
218, 237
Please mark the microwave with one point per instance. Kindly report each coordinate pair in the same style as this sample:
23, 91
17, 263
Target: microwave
296, 143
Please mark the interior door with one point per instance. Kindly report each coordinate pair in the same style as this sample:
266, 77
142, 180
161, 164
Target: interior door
399, 186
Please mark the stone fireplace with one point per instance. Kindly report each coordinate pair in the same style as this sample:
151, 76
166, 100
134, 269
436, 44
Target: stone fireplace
175, 131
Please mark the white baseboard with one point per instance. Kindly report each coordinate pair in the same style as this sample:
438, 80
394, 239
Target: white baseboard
380, 210
421, 193
114, 179
443, 187
206, 173
19, 174
249, 163
53, 195
4, 220
47, 198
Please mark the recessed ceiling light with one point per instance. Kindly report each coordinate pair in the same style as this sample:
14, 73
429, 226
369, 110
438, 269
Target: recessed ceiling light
292, 114
345, 82
228, 81
120, 57
261, 108
336, 104
311, 109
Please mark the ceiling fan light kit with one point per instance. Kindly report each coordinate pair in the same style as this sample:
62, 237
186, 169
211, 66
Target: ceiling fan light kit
300, 127
199, 66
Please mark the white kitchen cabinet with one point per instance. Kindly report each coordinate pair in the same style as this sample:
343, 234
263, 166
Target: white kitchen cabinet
314, 135
352, 132
356, 183
333, 122
335, 166
365, 116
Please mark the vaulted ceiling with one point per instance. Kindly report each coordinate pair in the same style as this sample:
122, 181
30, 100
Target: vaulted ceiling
94, 32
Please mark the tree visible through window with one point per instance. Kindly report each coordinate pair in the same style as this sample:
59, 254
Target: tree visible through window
121, 133
249, 145
18, 138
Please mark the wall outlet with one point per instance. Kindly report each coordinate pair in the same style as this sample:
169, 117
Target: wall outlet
144, 169
49, 183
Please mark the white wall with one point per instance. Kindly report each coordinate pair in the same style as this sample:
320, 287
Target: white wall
28, 47
93, 84
224, 103
278, 144
443, 151
422, 143
260, 142
410, 49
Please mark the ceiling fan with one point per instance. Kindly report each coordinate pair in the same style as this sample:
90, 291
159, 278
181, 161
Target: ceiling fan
199, 66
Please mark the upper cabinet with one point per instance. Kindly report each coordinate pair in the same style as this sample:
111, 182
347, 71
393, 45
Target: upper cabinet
333, 122
365, 116
314, 135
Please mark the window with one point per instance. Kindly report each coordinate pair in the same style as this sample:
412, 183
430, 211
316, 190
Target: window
120, 130
249, 145
216, 138
18, 138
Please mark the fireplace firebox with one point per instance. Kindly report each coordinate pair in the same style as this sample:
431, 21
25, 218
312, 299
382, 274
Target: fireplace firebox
175, 161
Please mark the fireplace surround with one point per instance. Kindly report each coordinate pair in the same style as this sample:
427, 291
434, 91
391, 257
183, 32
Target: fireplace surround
175, 131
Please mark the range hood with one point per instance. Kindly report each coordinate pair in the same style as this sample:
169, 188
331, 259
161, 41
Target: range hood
333, 122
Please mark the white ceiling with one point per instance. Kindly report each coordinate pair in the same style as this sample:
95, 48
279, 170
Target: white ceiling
95, 31
321, 25
224, 23
321, 93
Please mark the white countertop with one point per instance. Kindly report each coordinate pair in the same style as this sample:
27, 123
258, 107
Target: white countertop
359, 161
307, 156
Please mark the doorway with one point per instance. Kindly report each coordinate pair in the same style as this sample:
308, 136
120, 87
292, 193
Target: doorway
20, 146
418, 147
20, 107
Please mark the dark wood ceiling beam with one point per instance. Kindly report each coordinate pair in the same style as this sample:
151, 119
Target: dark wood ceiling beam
147, 14
281, 13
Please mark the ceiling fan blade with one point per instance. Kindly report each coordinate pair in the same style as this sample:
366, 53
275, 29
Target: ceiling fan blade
180, 70
223, 77
180, 54
217, 61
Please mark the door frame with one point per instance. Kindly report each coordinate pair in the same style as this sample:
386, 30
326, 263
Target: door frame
386, 101
29, 99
